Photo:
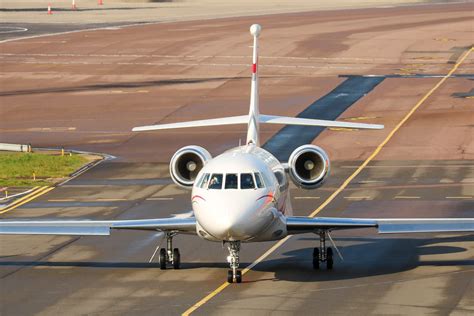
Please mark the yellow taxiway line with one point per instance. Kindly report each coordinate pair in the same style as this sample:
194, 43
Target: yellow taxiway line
27, 198
33, 191
218, 290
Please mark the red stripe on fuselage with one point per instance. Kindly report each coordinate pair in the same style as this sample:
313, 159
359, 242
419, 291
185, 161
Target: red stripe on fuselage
254, 68
197, 197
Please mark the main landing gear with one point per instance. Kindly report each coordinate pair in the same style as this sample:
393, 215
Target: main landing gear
234, 273
169, 255
323, 254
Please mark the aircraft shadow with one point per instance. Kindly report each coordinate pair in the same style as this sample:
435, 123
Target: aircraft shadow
364, 257
99, 264
368, 257
118, 85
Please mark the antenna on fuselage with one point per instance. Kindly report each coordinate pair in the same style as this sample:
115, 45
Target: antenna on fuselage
253, 127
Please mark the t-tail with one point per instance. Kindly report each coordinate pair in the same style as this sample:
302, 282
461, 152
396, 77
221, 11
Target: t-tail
253, 127
254, 118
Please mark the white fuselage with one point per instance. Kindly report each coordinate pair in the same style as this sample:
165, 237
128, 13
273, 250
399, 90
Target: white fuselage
241, 195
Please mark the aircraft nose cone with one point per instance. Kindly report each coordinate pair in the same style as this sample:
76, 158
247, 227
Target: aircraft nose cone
231, 219
227, 224
231, 227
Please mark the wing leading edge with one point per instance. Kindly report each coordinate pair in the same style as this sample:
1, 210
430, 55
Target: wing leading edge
95, 228
297, 225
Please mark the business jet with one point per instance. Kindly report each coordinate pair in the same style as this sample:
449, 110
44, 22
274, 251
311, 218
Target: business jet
242, 195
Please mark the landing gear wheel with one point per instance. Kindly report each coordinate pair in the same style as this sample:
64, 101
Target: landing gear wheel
163, 259
330, 261
316, 259
176, 258
230, 276
238, 276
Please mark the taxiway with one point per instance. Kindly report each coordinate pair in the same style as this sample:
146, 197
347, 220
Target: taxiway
86, 90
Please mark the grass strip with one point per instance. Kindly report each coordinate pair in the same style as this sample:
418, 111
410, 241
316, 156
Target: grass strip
17, 169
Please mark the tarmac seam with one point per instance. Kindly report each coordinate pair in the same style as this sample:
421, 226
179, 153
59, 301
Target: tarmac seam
341, 188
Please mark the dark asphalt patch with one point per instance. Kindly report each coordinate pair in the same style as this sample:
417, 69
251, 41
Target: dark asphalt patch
329, 107
421, 76
35, 29
123, 182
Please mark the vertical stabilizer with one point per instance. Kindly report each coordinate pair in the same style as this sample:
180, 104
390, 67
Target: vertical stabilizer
253, 119
253, 124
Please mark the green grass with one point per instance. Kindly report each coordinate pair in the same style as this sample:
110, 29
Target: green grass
16, 169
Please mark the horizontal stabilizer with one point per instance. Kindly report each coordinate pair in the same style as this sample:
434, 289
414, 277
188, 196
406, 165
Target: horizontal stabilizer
242, 119
271, 119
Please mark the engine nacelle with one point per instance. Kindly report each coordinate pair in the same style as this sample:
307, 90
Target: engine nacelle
186, 164
308, 166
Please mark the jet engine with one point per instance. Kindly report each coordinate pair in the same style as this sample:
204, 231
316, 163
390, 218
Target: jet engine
186, 164
308, 166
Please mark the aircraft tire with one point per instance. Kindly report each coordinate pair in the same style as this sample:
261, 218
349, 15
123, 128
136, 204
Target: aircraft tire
176, 258
330, 260
230, 276
238, 277
316, 258
162, 259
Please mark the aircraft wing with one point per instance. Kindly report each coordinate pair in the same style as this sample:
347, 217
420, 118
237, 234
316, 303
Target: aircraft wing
95, 228
297, 225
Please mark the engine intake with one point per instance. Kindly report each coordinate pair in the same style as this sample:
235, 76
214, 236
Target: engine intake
186, 164
308, 166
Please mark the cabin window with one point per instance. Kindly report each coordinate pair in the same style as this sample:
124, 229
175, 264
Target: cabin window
216, 181
231, 181
204, 180
246, 181
259, 181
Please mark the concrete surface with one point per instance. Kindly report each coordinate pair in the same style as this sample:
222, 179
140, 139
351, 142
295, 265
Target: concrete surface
86, 90
88, 11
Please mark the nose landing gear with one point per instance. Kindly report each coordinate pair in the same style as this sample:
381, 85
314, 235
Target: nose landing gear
233, 259
323, 254
169, 255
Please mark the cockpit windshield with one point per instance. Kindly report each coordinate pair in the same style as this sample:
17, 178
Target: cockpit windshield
229, 181
216, 181
258, 179
246, 181
204, 180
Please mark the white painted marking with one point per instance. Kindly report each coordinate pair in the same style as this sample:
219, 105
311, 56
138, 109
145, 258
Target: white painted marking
406, 197
49, 62
160, 199
85, 201
12, 29
370, 181
307, 197
417, 166
358, 197
154, 253
459, 197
